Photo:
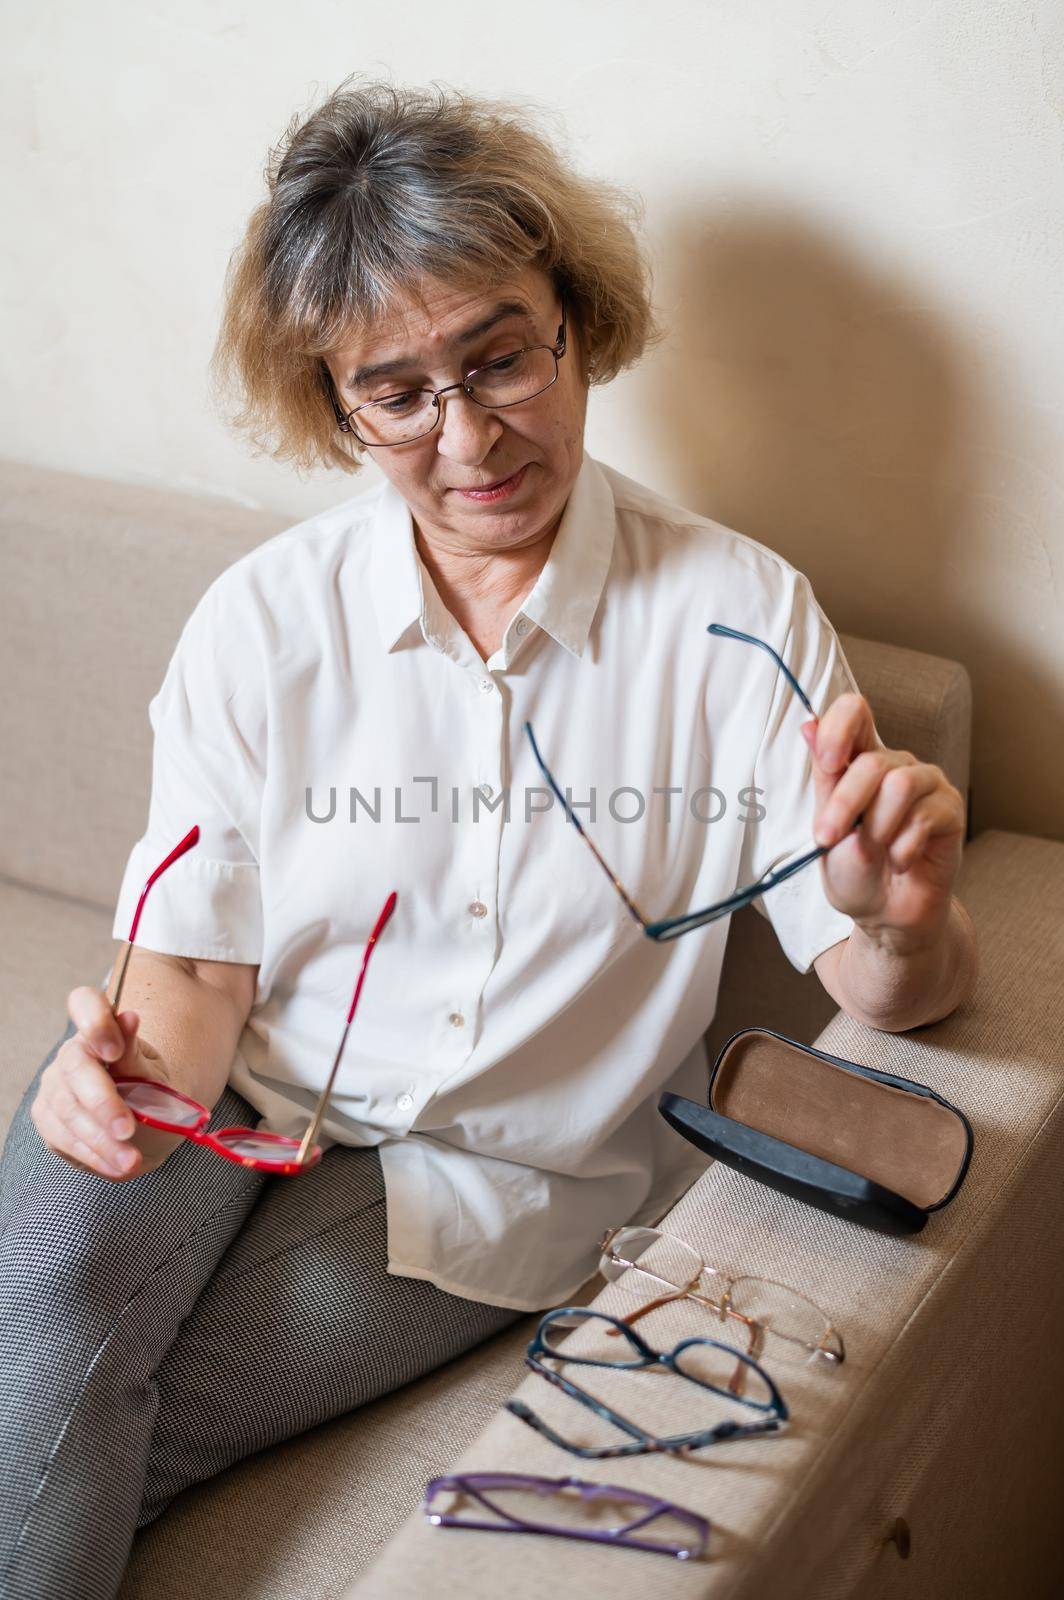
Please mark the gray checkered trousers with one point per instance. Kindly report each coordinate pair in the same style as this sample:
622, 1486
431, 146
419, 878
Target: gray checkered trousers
153, 1332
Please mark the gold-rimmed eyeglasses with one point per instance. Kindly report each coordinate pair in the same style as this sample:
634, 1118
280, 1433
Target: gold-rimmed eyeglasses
409, 414
768, 1318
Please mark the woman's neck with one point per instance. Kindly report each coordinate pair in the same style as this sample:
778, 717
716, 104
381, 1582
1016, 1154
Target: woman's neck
483, 588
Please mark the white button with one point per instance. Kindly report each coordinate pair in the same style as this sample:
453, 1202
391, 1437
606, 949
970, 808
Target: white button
487, 685
456, 1019
486, 790
523, 625
477, 908
404, 1102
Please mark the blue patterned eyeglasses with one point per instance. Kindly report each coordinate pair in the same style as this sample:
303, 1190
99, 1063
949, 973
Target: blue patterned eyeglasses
566, 1508
706, 1363
673, 927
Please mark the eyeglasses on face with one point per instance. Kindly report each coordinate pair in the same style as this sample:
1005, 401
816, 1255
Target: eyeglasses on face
674, 927
566, 1508
160, 1105
705, 1363
410, 414
766, 1317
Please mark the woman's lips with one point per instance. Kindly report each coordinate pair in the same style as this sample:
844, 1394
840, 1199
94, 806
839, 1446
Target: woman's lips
496, 491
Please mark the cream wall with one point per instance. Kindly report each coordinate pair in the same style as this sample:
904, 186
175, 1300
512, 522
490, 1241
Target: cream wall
855, 215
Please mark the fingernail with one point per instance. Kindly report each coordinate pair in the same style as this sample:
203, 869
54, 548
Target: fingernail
125, 1159
110, 1050
123, 1127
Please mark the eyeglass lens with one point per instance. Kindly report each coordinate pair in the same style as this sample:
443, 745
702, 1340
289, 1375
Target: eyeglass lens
607, 1510
399, 418
758, 1315
591, 1344
156, 1100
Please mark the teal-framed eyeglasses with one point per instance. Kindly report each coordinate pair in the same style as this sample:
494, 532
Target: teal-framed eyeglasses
705, 1363
673, 927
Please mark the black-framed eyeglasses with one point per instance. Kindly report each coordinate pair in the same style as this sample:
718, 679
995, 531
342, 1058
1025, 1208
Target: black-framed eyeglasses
673, 927
707, 1363
411, 413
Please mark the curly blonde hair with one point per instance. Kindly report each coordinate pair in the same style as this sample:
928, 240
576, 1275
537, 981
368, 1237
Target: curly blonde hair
381, 189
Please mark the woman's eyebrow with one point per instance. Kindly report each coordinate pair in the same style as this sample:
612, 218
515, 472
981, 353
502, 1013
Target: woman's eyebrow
499, 313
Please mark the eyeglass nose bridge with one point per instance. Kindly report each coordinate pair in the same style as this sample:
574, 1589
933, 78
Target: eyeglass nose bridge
464, 385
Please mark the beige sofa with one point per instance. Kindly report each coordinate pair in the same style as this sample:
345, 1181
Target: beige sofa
948, 1411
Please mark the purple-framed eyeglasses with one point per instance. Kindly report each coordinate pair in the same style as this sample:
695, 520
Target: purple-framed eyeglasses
516, 1502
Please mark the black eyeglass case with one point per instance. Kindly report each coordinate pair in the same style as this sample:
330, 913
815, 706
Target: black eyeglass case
879, 1150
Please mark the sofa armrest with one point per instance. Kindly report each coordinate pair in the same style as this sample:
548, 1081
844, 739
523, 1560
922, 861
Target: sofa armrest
921, 703
952, 1368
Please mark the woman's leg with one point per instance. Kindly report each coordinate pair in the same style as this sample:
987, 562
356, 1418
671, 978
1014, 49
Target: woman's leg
96, 1279
299, 1323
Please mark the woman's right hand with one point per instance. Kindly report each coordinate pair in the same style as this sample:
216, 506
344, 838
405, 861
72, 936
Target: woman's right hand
79, 1113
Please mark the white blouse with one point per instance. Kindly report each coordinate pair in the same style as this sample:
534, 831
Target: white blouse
336, 735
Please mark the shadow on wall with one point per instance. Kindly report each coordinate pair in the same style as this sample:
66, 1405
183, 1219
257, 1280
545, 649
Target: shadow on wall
825, 408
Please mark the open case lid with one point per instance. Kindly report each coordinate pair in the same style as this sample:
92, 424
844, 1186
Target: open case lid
878, 1149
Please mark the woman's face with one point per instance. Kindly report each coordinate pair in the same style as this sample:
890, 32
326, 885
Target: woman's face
481, 480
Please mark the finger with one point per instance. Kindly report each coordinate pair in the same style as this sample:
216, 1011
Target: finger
82, 1125
889, 808
129, 1023
90, 1012
92, 1088
823, 782
846, 728
58, 1136
852, 792
940, 814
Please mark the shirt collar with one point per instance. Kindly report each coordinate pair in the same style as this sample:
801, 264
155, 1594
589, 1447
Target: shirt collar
564, 598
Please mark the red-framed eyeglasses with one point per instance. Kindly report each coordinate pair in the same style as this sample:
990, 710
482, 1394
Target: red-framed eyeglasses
162, 1106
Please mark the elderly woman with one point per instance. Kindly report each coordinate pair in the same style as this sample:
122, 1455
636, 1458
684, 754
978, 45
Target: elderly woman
427, 284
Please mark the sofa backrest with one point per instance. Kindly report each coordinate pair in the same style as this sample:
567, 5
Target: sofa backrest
99, 579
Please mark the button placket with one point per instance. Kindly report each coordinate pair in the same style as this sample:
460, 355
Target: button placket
482, 853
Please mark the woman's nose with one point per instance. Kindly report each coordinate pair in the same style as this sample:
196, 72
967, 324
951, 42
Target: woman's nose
467, 432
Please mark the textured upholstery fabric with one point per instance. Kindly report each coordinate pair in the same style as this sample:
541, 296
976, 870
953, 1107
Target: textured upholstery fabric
99, 578
917, 1421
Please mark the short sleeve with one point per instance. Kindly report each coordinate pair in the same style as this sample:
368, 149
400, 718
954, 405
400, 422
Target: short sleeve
208, 768
805, 921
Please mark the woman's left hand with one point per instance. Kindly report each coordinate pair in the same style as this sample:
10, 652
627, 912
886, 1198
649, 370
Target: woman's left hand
894, 873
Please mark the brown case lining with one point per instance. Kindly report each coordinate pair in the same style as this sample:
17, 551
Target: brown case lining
903, 1141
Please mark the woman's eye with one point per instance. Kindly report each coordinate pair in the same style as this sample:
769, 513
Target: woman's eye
504, 363
397, 405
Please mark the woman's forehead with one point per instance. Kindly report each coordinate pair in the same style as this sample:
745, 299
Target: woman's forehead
437, 316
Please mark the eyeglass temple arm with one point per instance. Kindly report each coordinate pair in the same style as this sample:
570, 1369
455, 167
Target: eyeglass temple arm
585, 1398
669, 927
191, 838
633, 908
311, 1134
724, 632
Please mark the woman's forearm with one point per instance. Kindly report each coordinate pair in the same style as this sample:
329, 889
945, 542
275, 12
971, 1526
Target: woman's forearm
888, 984
192, 1014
